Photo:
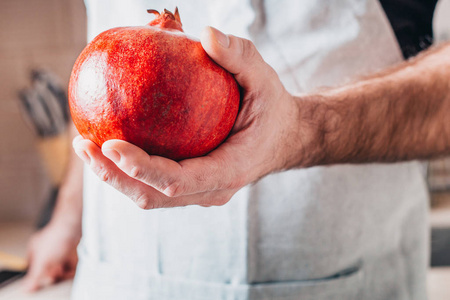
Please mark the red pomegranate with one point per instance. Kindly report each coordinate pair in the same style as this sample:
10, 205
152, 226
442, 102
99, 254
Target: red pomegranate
155, 87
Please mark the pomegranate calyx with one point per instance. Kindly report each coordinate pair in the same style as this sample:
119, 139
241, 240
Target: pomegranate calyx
166, 20
153, 11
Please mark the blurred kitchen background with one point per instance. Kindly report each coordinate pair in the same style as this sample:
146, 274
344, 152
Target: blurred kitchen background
39, 42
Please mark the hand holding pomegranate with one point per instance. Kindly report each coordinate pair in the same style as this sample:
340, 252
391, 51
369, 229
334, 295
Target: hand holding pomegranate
264, 139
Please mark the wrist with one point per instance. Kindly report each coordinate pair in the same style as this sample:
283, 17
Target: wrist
311, 122
68, 219
330, 125
70, 231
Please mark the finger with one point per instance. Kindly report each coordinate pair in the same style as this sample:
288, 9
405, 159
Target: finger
77, 139
239, 56
191, 176
34, 273
208, 199
28, 284
78, 144
36, 284
145, 196
37, 277
158, 172
214, 198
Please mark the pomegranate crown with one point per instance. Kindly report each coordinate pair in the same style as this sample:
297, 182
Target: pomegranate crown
166, 20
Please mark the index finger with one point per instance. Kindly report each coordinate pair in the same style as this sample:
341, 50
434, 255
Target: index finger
169, 177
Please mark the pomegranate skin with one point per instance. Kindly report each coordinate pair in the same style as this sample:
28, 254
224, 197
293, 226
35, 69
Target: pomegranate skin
155, 88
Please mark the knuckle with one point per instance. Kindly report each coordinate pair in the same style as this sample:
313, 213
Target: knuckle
235, 184
103, 174
143, 202
213, 167
173, 189
136, 172
248, 49
273, 76
198, 177
238, 181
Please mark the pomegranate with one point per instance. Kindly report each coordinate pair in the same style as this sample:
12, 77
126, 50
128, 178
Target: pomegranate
154, 87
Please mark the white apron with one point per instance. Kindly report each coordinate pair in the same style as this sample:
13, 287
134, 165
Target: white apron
339, 232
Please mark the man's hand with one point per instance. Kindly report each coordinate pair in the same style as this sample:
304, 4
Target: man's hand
52, 256
264, 139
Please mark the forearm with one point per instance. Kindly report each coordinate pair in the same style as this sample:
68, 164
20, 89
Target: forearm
400, 114
68, 208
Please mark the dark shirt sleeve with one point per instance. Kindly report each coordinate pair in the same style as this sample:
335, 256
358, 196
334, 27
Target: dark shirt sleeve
412, 22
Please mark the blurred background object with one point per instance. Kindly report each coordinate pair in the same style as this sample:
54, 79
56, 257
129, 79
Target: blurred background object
439, 175
45, 106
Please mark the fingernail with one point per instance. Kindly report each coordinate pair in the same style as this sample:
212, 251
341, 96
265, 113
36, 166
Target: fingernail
83, 155
112, 155
221, 38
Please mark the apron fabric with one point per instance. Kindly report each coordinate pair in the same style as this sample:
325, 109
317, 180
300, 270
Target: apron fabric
337, 232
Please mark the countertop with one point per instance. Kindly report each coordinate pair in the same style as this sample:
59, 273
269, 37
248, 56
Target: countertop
14, 291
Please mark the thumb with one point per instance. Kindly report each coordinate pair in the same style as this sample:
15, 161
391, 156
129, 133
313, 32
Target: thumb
238, 56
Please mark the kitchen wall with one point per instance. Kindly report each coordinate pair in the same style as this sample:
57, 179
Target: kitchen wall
33, 33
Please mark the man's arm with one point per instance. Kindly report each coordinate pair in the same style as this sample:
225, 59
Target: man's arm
52, 251
69, 204
399, 114
402, 113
